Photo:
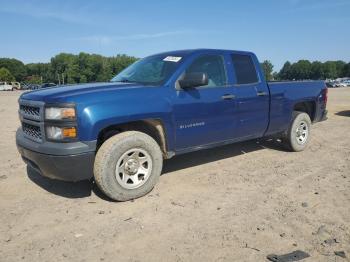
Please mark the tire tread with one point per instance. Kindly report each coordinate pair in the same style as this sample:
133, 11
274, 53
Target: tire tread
103, 155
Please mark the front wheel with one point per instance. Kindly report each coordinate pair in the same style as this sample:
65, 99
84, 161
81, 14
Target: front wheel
128, 165
298, 134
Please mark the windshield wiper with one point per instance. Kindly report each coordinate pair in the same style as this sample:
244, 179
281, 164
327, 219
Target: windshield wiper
126, 81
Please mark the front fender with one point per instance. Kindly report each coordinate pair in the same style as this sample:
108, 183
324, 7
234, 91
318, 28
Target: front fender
96, 117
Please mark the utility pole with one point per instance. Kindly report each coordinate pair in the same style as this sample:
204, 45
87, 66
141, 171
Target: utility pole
59, 79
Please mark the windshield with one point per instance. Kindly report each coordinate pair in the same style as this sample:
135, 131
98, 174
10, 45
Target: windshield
152, 70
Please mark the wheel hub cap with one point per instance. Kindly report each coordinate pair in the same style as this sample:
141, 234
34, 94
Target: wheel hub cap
133, 168
302, 133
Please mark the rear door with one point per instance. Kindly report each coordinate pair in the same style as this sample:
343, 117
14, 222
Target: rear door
252, 97
205, 114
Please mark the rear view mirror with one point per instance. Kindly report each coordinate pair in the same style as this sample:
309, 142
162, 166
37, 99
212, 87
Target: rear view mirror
194, 80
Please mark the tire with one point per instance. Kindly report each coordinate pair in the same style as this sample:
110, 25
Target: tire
118, 171
298, 135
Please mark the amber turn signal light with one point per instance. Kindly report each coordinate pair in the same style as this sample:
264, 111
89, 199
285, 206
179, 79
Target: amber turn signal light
69, 132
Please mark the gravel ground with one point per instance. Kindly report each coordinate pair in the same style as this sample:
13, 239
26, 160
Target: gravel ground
234, 203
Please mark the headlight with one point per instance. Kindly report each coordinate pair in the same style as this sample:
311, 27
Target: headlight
61, 133
59, 113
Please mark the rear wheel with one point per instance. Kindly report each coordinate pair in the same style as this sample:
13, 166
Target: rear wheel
128, 165
298, 135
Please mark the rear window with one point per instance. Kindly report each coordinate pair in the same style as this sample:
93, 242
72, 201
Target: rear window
244, 69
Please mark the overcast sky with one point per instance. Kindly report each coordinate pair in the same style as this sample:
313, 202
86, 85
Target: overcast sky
278, 30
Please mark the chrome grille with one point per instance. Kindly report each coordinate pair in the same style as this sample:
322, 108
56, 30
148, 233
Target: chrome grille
32, 131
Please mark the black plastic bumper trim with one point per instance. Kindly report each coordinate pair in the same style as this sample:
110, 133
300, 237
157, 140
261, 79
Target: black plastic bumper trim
324, 116
67, 168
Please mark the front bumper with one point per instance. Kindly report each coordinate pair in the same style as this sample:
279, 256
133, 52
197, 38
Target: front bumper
62, 161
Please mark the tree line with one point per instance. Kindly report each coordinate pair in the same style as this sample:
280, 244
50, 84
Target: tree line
65, 69
306, 70
82, 68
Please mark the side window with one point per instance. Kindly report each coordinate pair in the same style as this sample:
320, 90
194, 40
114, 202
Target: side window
244, 69
213, 66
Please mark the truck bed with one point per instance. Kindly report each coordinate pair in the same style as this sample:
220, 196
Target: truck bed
284, 95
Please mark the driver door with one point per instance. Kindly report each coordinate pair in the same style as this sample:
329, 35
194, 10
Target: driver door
204, 115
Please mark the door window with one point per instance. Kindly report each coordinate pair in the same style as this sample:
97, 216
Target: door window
213, 66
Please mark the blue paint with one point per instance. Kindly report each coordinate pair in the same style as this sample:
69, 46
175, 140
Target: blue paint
192, 118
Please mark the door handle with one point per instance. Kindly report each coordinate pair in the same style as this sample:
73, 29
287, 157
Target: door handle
228, 97
261, 93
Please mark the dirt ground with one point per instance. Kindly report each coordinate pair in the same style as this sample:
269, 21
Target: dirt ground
234, 203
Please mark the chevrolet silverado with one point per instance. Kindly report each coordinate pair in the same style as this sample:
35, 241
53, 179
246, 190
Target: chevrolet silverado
119, 132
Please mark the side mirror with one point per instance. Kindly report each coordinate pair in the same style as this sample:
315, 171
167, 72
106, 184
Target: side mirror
193, 80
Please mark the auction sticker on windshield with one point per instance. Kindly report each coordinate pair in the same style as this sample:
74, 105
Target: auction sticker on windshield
172, 59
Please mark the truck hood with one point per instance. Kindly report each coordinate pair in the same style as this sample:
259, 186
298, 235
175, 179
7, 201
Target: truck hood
69, 93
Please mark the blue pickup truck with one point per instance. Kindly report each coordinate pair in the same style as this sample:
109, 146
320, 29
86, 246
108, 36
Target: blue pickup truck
163, 105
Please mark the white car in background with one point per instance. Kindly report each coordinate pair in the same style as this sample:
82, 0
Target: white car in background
4, 86
16, 85
342, 84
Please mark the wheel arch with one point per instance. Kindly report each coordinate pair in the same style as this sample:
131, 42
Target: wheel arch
152, 127
308, 107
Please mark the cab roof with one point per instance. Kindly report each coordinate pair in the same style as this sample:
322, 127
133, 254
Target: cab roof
186, 52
